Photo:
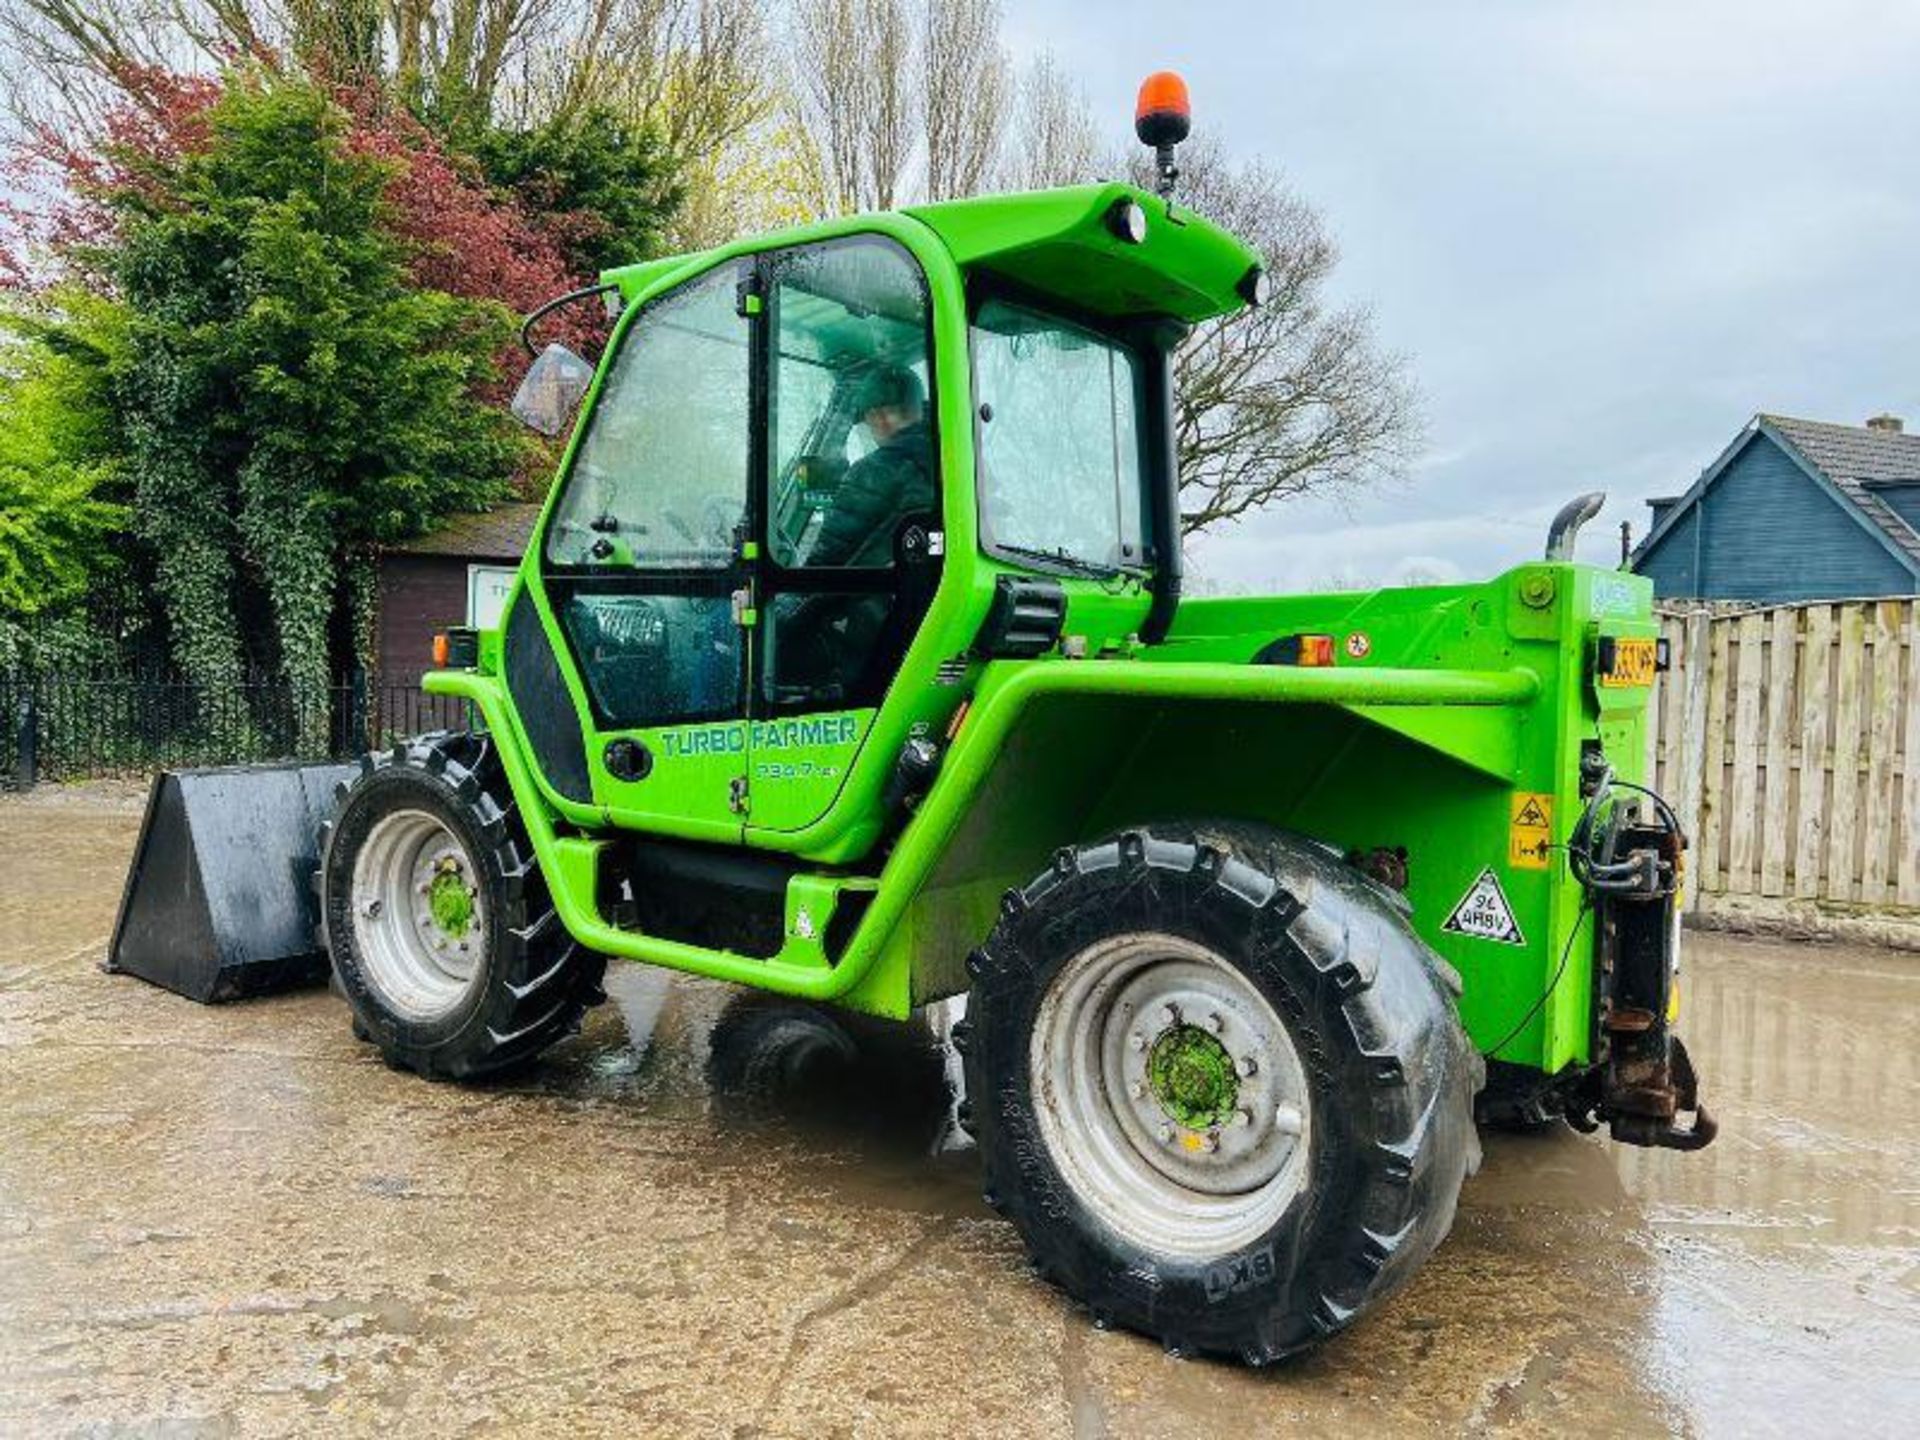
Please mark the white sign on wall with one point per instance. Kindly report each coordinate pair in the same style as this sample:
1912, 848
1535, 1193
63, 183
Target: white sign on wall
487, 590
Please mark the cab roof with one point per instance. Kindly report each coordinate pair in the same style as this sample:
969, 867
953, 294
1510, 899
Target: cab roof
1060, 242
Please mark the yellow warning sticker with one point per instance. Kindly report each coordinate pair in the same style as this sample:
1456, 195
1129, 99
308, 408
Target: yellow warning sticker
1530, 831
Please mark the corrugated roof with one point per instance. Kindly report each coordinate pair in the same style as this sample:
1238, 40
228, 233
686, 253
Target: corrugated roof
1854, 457
501, 533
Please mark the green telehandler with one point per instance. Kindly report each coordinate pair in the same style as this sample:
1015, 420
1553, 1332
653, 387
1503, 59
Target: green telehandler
849, 661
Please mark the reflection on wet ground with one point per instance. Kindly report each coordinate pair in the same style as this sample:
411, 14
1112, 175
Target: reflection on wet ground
1789, 1252
714, 1211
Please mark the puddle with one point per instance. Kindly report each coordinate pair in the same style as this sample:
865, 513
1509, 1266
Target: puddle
1788, 1252
873, 1101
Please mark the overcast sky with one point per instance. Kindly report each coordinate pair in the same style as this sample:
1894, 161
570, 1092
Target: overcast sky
1605, 234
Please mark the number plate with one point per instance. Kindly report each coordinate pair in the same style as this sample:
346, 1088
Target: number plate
1634, 663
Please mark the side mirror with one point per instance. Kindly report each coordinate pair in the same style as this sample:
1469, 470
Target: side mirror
552, 390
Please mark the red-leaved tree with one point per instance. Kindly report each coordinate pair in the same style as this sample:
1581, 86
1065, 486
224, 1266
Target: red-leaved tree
461, 237
467, 240
59, 221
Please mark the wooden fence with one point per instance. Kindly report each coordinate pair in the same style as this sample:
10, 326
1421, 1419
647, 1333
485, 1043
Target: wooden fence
1788, 740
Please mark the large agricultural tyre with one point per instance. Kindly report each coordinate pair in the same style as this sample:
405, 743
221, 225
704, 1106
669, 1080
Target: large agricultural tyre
442, 934
1219, 1085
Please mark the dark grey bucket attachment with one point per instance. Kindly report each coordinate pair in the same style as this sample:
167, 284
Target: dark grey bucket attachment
219, 903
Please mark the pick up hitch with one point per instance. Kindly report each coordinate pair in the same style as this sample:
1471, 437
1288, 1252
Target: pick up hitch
1641, 1100
1630, 865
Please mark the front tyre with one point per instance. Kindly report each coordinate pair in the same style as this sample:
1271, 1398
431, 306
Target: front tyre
1220, 1086
439, 925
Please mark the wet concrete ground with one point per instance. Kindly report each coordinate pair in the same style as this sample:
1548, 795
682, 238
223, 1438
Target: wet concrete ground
710, 1215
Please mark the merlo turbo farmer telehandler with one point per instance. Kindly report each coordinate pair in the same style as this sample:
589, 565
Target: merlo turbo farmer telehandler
849, 661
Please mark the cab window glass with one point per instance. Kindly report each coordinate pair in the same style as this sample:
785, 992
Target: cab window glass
656, 658
645, 540
1061, 438
852, 448
659, 481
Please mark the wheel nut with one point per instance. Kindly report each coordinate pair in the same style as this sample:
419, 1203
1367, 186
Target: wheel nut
1137, 1040
372, 910
1243, 1117
1209, 1143
1170, 1013
1286, 1120
1166, 1134
1216, 1022
1137, 1090
1248, 1066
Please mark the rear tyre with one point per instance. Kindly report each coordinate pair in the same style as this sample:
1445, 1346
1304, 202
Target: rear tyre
442, 934
1220, 1086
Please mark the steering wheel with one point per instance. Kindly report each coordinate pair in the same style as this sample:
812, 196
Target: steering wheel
714, 530
720, 518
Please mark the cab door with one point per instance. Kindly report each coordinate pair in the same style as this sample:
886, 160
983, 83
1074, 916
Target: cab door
848, 524
645, 568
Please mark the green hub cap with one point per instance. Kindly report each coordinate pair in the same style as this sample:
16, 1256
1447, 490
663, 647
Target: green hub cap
1192, 1076
450, 901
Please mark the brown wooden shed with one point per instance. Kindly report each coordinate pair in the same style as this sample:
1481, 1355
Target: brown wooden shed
455, 576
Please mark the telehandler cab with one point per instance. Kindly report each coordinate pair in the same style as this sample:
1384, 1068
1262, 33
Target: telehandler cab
849, 661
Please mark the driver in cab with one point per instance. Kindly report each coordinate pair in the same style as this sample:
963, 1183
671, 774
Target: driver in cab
882, 488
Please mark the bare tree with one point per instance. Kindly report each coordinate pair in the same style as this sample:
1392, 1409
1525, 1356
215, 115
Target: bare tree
59, 58
887, 101
892, 104
1290, 398
1055, 140
825, 42
447, 57
693, 68
852, 100
963, 94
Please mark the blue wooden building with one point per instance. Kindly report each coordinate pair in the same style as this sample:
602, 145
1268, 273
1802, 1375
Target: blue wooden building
1793, 510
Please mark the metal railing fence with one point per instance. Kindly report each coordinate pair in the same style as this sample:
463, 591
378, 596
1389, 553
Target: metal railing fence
69, 727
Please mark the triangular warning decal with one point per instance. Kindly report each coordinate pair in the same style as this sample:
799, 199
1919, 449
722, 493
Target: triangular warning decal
1531, 815
1484, 914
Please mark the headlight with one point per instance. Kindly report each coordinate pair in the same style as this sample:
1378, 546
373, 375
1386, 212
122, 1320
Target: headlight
1128, 220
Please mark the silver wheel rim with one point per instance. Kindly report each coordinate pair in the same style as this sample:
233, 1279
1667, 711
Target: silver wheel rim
1192, 1170
418, 948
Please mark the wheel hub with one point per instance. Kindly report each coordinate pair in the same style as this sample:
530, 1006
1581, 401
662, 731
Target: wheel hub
419, 916
1171, 1093
450, 898
1192, 1076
